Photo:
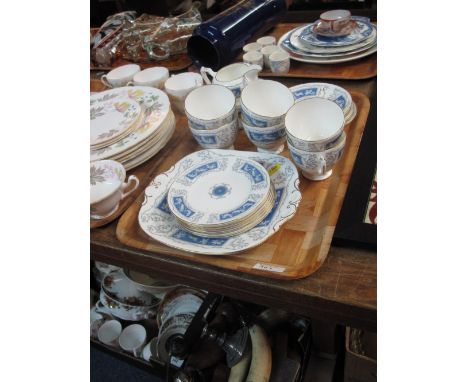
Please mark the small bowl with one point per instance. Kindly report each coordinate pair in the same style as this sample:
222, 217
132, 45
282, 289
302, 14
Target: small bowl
148, 284
313, 124
266, 139
153, 77
120, 76
335, 21
264, 103
318, 165
210, 107
220, 138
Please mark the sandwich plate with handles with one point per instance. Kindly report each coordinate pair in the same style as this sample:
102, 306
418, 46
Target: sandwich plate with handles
156, 219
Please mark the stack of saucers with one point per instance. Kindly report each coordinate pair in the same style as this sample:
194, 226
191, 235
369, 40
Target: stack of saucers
312, 43
264, 104
329, 91
221, 198
316, 139
130, 124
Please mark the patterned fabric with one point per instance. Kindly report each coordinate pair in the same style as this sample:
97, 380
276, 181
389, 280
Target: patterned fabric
371, 212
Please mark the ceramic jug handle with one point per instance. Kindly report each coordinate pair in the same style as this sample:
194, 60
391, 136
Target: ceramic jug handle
125, 185
204, 73
130, 83
105, 82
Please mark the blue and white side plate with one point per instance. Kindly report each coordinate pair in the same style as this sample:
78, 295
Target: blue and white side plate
362, 32
156, 219
219, 191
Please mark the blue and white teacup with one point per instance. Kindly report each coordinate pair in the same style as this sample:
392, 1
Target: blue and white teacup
210, 107
314, 124
318, 165
279, 62
264, 103
220, 138
266, 139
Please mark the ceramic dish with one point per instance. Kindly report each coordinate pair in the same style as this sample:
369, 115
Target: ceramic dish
223, 190
111, 119
148, 284
155, 108
328, 91
157, 221
363, 30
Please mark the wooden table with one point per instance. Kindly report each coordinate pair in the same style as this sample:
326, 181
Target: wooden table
342, 291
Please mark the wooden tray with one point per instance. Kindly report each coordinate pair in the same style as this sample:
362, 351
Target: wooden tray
174, 63
301, 246
363, 68
144, 173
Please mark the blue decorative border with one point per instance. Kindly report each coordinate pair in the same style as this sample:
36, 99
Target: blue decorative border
267, 220
191, 238
202, 169
181, 207
163, 206
266, 137
256, 175
228, 215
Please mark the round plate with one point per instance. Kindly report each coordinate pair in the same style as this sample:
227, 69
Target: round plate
155, 108
362, 32
159, 223
110, 119
219, 191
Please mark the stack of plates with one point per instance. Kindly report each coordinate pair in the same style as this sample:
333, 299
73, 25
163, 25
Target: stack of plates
219, 187
130, 124
329, 91
223, 197
303, 44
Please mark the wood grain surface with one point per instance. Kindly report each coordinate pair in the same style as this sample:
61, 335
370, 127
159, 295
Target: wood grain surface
173, 63
360, 69
300, 246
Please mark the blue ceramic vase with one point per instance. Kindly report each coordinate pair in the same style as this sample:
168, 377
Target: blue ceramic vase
216, 42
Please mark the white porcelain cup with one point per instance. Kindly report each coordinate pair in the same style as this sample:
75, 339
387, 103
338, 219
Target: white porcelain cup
178, 86
108, 187
279, 62
153, 77
210, 107
252, 46
266, 41
254, 58
120, 76
133, 339
267, 51
109, 333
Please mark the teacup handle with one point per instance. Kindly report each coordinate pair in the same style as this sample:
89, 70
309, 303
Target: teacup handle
125, 185
252, 74
105, 81
204, 73
322, 165
130, 83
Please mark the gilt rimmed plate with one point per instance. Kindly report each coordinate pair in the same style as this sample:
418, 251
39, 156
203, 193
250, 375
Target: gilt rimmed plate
156, 219
363, 31
110, 119
220, 191
155, 107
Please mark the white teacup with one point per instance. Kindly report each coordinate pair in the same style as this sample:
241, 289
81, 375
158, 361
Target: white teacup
133, 339
179, 86
220, 138
252, 46
210, 107
153, 77
314, 124
120, 76
107, 187
264, 103
254, 58
267, 51
109, 333
279, 62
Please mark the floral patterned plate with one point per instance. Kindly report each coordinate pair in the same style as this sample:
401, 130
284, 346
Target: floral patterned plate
155, 108
156, 219
111, 119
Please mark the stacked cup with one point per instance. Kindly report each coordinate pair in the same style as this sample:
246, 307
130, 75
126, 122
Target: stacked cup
212, 117
316, 140
264, 104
